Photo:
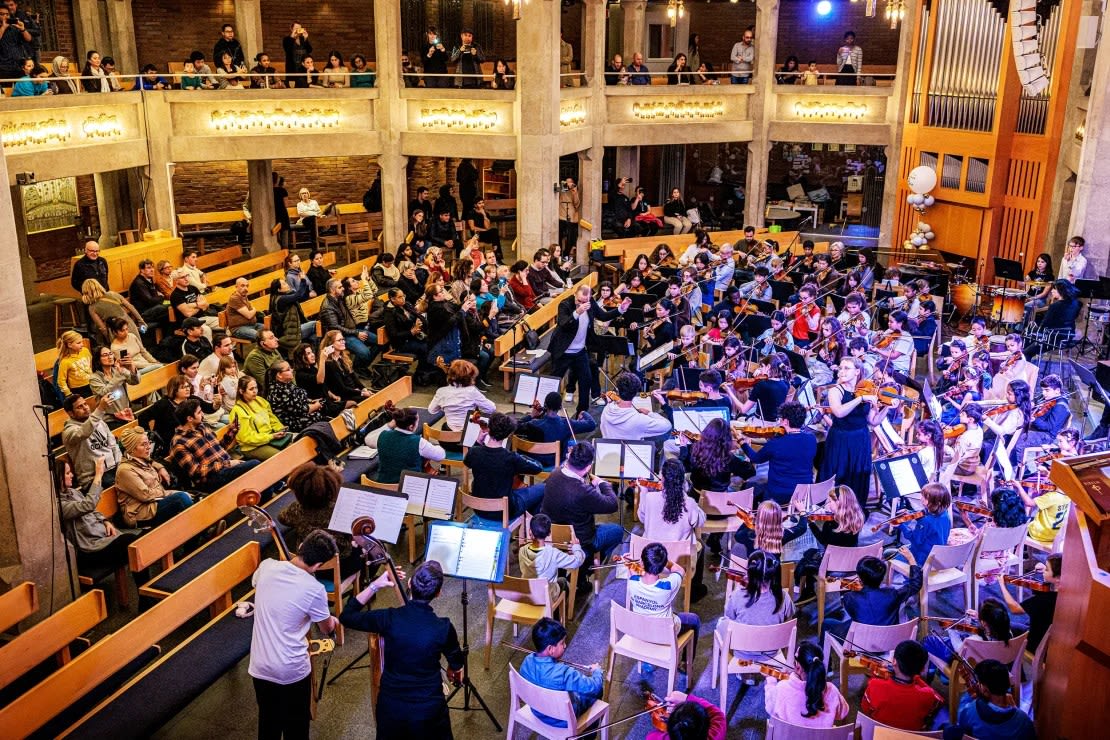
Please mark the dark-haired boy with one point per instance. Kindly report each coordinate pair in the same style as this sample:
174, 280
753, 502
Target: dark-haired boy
550, 425
541, 559
544, 669
874, 603
904, 700
990, 713
496, 467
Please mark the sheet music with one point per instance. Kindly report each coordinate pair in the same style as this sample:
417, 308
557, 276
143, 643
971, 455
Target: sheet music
638, 459
440, 503
530, 388
655, 355
607, 463
467, 552
695, 420
548, 384
386, 507
471, 430
901, 470
416, 488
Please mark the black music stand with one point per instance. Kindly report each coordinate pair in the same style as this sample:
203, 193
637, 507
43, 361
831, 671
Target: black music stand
1008, 269
781, 290
1092, 290
1088, 377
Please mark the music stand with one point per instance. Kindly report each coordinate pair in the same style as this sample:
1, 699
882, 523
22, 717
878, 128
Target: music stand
621, 459
797, 363
781, 290
486, 550
1008, 269
1089, 378
686, 378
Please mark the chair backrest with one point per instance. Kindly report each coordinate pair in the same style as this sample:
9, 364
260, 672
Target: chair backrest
656, 630
720, 503
500, 505
681, 552
526, 447
555, 704
996, 540
533, 591
867, 730
876, 638
778, 729
442, 435
844, 559
950, 556
751, 638
975, 650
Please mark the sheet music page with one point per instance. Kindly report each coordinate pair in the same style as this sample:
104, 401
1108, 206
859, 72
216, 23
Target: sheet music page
655, 355
416, 488
472, 430
440, 503
904, 477
527, 386
608, 459
386, 507
547, 385
479, 554
637, 460
444, 544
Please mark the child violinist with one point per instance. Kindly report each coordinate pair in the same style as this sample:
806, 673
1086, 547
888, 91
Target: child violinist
965, 450
854, 317
1040, 607
544, 669
1014, 367
1051, 507
990, 713
827, 352
721, 327
806, 698
731, 363
932, 528
777, 337
904, 700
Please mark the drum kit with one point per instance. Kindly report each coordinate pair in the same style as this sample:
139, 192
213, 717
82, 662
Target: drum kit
1006, 306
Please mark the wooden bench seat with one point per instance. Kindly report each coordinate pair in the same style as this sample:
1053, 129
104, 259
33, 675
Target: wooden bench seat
52, 637
18, 604
631, 248
35, 711
246, 268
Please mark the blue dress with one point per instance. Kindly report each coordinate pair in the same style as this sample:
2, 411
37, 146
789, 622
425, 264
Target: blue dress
848, 451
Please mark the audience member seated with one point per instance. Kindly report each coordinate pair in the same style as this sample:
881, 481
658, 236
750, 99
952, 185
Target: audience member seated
401, 447
260, 434
126, 344
445, 324
495, 469
289, 402
339, 375
442, 232
904, 700
805, 698
145, 296
97, 541
460, 396
87, 438
638, 73
335, 316
544, 669
316, 488
94, 76
262, 357
308, 210
318, 275
572, 495
522, 291
141, 484
334, 73
403, 326
265, 75
63, 83
189, 302
361, 75
360, 293
151, 80
195, 342
222, 347
74, 365
159, 419
385, 273
197, 453
244, 321
543, 282
104, 304
110, 380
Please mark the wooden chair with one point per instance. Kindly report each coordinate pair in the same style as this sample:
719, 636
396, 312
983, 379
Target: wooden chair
774, 642
532, 449
648, 639
974, 650
839, 560
454, 459
946, 566
499, 506
982, 476
867, 728
875, 639
681, 553
526, 698
1000, 550
561, 534
778, 729
521, 601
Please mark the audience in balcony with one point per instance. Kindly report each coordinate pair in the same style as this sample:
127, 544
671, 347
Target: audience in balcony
638, 73
566, 62
674, 213
469, 58
96, 78
693, 51
421, 202
33, 82
704, 75
151, 80
335, 73
503, 76
361, 75
849, 60
790, 72
297, 47
743, 58
14, 40
446, 201
811, 76
615, 73
63, 84
266, 76
228, 75
227, 42
480, 224
115, 83
312, 73
678, 73
189, 79
435, 60
408, 72
202, 70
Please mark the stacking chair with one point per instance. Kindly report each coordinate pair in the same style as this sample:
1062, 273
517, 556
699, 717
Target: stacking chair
875, 639
776, 641
681, 553
999, 551
778, 729
532, 449
336, 585
975, 650
867, 730
524, 697
946, 566
521, 601
839, 560
647, 639
499, 506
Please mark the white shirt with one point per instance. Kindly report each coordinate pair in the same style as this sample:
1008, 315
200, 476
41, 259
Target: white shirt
579, 342
209, 365
456, 402
654, 600
287, 601
658, 529
618, 422
1072, 268
308, 208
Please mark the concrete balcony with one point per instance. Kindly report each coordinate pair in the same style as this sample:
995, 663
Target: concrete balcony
672, 114
842, 115
460, 123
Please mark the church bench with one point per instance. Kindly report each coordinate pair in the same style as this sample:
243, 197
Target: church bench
18, 604
311, 307
158, 544
257, 284
219, 258
632, 247
200, 226
51, 637
246, 268
42, 711
150, 382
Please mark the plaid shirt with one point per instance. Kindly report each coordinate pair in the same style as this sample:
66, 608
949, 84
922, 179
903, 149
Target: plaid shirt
198, 452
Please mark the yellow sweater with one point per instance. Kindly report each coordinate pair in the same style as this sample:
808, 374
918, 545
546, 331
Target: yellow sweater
257, 423
74, 371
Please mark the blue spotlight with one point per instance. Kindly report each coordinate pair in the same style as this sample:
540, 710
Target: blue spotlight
824, 7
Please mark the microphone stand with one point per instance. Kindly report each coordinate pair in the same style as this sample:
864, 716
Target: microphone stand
50, 462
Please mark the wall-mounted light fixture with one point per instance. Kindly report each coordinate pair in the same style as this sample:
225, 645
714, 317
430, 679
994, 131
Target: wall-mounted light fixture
678, 110
572, 116
456, 119
278, 119
102, 126
676, 9
819, 110
516, 7
35, 133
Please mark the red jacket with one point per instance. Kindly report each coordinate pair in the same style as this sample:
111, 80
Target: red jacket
901, 705
523, 292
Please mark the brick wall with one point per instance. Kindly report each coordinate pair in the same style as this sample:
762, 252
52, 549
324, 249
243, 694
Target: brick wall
168, 30
221, 186
719, 26
67, 36
808, 36
346, 26
502, 40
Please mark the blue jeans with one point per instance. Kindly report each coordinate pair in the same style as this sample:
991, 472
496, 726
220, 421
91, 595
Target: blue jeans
218, 480
361, 351
606, 539
250, 332
526, 499
742, 79
448, 348
308, 332
170, 506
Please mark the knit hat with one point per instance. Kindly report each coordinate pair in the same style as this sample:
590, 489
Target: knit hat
131, 437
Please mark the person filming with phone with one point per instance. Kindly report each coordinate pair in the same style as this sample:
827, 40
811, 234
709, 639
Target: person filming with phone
435, 60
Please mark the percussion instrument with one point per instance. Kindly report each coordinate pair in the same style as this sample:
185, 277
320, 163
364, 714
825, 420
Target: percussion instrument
964, 297
997, 343
1008, 306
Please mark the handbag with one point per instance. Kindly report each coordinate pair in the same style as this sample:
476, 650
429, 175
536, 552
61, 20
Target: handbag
282, 442
694, 215
531, 338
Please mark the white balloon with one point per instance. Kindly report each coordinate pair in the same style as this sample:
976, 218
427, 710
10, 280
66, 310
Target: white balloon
922, 179
930, 235
917, 241
930, 200
922, 226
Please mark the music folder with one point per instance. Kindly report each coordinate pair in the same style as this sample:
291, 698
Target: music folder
531, 388
385, 506
617, 458
474, 553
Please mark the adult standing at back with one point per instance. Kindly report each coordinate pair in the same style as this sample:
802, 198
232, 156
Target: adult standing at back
229, 44
849, 60
469, 57
743, 58
574, 336
435, 60
91, 266
297, 47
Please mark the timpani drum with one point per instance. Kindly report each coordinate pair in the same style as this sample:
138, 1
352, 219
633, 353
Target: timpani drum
963, 297
997, 343
1008, 306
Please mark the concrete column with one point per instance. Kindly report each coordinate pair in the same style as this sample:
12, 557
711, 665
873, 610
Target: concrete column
27, 268
589, 161
89, 29
160, 213
113, 204
263, 216
635, 29
628, 164
537, 90
31, 545
593, 42
121, 35
761, 103
248, 29
895, 113
391, 111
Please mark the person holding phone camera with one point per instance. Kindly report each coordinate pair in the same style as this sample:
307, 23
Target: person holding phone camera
435, 60
469, 57
297, 47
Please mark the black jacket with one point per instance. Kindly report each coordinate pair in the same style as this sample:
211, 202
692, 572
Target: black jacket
86, 269
567, 325
143, 294
440, 233
233, 47
335, 315
398, 324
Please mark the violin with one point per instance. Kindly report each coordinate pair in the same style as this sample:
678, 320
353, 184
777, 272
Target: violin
1044, 407
886, 394
765, 669
1000, 410
635, 567
741, 384
1009, 362
966, 623
894, 521
737, 575
954, 431
819, 515
877, 667
847, 583
537, 409
745, 517
887, 339
971, 508
760, 432
1032, 581
688, 396
689, 434
648, 485
1047, 457
659, 708
483, 424
1042, 486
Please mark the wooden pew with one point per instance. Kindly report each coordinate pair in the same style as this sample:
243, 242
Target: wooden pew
311, 307
246, 268
52, 636
199, 226
18, 604
257, 284
44, 361
34, 709
158, 544
629, 249
155, 380
219, 258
